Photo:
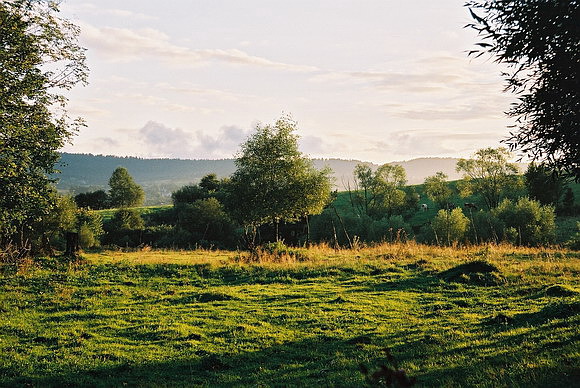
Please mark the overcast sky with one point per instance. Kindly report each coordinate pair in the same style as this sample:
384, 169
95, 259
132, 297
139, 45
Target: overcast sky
374, 80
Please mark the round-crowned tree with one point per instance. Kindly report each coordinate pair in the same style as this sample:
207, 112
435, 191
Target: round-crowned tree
274, 181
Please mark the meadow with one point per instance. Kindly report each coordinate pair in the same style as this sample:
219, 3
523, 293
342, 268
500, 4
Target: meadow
489, 316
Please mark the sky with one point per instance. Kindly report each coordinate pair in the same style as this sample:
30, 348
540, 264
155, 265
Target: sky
370, 80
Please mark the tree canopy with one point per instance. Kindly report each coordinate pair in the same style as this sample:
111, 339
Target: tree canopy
539, 41
488, 173
438, 190
543, 185
379, 193
124, 191
39, 55
274, 181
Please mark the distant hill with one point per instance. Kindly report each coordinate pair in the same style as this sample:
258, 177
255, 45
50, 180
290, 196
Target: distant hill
159, 177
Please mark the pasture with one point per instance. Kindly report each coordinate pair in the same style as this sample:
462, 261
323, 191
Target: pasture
487, 316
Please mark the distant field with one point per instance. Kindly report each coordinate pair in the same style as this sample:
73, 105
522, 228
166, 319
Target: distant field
199, 318
107, 214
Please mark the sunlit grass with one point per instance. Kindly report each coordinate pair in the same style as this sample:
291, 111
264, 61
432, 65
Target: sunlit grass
220, 318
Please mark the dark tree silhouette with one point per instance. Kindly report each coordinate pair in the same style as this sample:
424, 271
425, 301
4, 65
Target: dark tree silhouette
539, 41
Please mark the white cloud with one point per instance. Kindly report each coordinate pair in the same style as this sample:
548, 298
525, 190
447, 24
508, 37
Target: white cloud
84, 8
163, 103
126, 45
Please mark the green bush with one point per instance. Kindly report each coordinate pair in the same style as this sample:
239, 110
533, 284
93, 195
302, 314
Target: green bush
450, 226
526, 222
206, 220
90, 228
127, 219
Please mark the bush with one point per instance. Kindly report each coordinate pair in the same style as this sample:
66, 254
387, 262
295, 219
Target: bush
450, 226
526, 222
90, 228
95, 200
206, 220
125, 228
127, 219
188, 195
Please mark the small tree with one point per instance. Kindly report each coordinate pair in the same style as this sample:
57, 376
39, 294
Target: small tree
207, 222
274, 181
450, 226
124, 191
89, 225
188, 194
379, 193
568, 206
489, 174
438, 190
210, 183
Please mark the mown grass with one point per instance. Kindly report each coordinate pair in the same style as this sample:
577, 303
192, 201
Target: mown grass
201, 318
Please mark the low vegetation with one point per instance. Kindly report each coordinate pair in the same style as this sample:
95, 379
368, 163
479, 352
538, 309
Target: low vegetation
478, 316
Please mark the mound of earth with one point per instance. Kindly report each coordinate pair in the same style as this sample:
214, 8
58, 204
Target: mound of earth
477, 272
559, 290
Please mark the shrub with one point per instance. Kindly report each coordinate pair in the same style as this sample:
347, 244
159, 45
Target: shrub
450, 226
127, 219
95, 200
526, 222
206, 220
125, 228
188, 194
89, 227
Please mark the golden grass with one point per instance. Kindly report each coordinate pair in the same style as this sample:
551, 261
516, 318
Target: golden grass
508, 258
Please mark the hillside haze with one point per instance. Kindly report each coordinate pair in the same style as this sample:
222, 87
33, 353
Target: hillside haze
159, 177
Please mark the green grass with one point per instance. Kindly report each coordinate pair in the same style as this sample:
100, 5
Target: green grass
107, 214
170, 319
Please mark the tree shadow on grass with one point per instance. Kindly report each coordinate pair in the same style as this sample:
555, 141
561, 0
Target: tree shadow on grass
315, 361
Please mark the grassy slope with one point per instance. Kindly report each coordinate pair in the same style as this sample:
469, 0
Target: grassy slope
168, 319
107, 214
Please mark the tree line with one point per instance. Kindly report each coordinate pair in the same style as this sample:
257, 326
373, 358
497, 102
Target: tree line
251, 207
40, 58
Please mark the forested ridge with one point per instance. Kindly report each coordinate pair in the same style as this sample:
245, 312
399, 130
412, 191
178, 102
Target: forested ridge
78, 170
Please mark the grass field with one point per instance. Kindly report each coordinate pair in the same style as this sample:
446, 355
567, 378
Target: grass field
107, 214
200, 318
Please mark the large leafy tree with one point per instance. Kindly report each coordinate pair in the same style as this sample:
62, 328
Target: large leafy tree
274, 181
489, 174
539, 41
124, 191
39, 57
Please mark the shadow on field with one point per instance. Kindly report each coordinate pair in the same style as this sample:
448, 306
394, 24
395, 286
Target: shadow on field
318, 361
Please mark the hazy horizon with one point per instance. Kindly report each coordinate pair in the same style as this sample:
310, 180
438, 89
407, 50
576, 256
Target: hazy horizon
376, 81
